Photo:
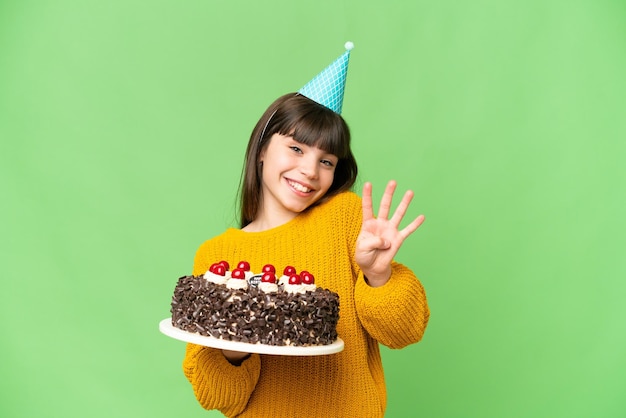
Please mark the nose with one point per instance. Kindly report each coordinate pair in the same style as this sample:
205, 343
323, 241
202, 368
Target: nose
309, 167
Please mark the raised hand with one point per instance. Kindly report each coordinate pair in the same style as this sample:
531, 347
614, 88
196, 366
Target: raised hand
380, 238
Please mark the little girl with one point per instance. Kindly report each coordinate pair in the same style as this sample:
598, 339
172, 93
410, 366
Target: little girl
297, 209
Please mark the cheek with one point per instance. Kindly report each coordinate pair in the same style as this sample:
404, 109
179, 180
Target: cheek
275, 166
277, 161
328, 177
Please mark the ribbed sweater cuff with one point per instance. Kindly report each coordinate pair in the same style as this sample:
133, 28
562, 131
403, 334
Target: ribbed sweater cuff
394, 314
222, 385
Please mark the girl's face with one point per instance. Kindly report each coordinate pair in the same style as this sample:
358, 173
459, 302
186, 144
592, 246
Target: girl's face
294, 177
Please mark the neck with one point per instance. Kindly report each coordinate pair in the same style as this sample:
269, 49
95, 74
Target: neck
268, 219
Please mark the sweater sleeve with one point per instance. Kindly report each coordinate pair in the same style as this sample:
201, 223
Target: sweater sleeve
395, 314
217, 383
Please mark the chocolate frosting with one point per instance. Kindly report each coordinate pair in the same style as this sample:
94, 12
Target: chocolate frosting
254, 316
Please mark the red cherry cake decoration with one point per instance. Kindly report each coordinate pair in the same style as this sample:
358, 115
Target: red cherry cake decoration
238, 274
289, 270
219, 270
295, 279
269, 268
244, 265
268, 277
307, 278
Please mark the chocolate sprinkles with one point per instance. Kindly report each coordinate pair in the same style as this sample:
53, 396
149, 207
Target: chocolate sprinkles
254, 316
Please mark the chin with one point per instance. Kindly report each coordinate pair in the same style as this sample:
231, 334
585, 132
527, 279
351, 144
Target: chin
299, 208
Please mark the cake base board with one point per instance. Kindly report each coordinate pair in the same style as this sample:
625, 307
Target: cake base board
166, 327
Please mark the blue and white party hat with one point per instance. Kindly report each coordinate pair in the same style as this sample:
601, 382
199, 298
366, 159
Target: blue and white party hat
328, 86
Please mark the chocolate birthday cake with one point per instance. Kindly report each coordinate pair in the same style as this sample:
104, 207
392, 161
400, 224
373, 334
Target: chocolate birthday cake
260, 308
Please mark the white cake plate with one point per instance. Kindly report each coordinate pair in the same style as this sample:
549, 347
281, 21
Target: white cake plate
166, 327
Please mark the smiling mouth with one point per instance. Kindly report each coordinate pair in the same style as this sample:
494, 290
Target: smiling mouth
299, 187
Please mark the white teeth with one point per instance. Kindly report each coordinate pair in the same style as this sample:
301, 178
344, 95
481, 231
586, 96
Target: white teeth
299, 187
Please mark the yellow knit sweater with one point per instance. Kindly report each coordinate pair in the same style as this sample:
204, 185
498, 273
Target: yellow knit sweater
347, 384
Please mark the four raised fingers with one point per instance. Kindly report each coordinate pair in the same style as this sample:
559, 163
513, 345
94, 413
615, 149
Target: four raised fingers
385, 208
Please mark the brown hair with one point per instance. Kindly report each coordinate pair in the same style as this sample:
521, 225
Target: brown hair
308, 123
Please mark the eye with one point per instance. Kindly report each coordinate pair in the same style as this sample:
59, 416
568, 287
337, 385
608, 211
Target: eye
328, 163
296, 149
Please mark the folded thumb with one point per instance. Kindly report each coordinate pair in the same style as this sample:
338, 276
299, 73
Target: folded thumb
375, 243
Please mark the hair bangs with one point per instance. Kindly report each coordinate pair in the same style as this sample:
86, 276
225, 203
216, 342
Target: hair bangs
319, 127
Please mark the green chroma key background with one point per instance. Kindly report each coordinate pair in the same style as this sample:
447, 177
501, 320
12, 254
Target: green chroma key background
122, 131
